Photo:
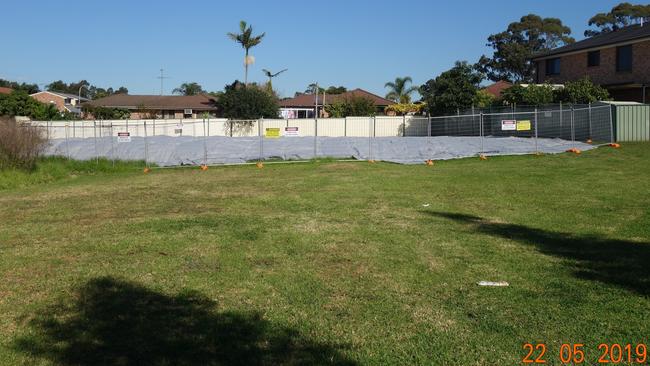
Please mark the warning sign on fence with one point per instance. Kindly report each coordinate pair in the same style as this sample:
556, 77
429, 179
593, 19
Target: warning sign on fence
523, 125
291, 131
272, 133
123, 137
508, 125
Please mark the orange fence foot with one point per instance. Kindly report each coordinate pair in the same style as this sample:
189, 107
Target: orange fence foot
615, 145
589, 141
259, 164
146, 170
482, 157
204, 167
574, 150
429, 162
371, 161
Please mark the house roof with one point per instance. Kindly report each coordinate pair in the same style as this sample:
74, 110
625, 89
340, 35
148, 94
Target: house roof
624, 35
62, 95
163, 102
308, 100
497, 88
5, 90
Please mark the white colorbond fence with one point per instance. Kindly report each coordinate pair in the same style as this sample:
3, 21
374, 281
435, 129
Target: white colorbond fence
380, 126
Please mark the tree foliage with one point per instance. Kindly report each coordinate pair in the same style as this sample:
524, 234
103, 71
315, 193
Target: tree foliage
351, 106
483, 99
27, 88
400, 92
247, 40
529, 95
514, 47
581, 91
88, 91
453, 89
402, 109
241, 101
192, 88
332, 90
99, 112
621, 15
19, 103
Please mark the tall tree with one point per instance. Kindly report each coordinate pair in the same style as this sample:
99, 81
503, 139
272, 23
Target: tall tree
514, 47
453, 89
28, 88
400, 92
621, 15
247, 40
88, 91
189, 89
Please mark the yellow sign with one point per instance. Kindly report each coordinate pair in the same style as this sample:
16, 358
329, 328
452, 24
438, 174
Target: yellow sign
523, 125
272, 133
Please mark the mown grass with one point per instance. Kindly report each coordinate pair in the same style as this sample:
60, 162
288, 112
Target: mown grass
346, 263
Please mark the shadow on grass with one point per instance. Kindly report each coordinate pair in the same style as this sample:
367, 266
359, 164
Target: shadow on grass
113, 322
619, 262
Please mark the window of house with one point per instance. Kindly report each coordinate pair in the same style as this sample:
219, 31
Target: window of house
593, 58
624, 58
553, 66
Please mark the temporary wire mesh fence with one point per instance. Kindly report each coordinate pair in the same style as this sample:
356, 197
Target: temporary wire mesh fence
404, 139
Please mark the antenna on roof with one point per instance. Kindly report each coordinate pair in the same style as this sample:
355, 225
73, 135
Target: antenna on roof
162, 77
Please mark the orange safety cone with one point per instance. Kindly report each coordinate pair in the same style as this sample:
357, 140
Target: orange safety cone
259, 164
204, 167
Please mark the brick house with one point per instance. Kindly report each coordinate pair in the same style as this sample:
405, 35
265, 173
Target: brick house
303, 105
64, 102
160, 106
619, 61
5, 90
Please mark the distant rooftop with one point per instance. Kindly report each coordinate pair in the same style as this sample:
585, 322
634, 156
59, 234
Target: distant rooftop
161, 102
308, 100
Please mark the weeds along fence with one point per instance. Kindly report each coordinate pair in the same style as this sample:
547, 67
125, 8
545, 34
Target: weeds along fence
405, 139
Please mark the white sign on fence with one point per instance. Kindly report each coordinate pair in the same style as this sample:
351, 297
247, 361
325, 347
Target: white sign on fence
508, 125
123, 137
291, 131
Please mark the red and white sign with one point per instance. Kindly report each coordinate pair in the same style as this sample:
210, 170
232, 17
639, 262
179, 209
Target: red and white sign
508, 125
291, 131
123, 137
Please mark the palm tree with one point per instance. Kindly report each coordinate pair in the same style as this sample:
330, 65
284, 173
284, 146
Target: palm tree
271, 76
189, 89
247, 41
400, 93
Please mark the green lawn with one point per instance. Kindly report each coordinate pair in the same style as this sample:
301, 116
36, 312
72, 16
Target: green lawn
328, 262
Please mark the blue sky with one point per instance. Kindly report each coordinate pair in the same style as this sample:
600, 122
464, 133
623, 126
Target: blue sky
351, 43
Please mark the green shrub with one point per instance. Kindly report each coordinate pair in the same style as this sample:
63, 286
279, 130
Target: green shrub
353, 106
581, 91
247, 102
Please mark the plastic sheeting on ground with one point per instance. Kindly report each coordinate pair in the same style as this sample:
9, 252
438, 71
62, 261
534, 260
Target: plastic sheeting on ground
171, 151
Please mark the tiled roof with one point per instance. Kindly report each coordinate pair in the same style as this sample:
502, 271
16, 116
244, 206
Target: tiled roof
308, 100
630, 33
5, 90
162, 102
498, 87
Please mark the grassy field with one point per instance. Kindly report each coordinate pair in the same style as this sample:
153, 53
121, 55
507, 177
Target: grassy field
346, 263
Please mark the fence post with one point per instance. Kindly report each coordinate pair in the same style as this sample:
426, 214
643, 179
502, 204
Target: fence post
590, 121
315, 136
95, 141
573, 134
370, 138
67, 145
536, 147
112, 145
481, 132
205, 144
146, 147
428, 124
260, 125
611, 123
561, 119
345, 126
404, 125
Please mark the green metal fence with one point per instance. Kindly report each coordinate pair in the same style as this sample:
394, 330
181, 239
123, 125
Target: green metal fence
632, 122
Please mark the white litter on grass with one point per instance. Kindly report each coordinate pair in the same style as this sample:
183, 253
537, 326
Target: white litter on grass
425, 205
494, 284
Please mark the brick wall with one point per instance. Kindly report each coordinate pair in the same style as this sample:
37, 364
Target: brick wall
574, 67
48, 98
